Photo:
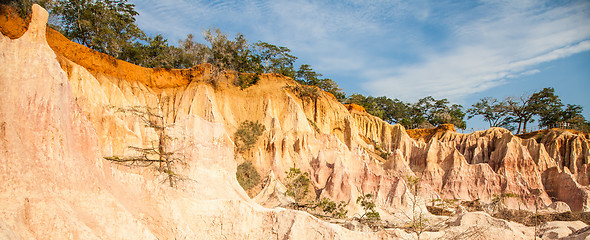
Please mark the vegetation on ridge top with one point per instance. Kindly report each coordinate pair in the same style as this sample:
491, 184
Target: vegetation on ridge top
109, 26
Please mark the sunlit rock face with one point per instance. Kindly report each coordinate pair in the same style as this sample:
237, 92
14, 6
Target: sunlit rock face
59, 116
55, 127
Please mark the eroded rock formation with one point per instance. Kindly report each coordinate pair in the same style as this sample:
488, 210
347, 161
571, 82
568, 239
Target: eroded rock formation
58, 118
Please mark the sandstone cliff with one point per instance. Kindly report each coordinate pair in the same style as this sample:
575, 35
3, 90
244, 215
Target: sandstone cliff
58, 118
55, 184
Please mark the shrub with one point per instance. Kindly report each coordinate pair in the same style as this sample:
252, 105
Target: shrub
331, 208
247, 135
472, 206
297, 185
497, 203
246, 80
247, 175
439, 211
368, 205
305, 91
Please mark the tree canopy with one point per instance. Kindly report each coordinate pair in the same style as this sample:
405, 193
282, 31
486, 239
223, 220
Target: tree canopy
495, 112
544, 104
107, 26
427, 112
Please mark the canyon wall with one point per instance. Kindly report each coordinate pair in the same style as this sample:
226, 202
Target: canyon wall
59, 116
56, 185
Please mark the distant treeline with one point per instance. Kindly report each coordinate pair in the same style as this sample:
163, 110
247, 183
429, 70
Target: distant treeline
109, 26
512, 113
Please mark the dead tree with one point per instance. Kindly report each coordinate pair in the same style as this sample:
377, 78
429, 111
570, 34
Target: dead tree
160, 151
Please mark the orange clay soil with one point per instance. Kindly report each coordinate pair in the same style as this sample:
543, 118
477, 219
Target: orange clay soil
427, 133
11, 25
541, 133
14, 27
356, 107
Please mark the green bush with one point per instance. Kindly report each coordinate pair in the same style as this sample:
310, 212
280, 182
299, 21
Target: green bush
305, 91
247, 135
368, 205
297, 184
247, 175
331, 208
246, 80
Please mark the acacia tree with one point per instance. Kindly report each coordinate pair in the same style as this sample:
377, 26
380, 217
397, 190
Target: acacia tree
545, 104
494, 111
160, 152
521, 110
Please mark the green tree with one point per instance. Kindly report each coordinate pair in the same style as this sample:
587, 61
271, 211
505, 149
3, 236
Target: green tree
107, 26
427, 112
297, 185
437, 112
156, 53
370, 104
367, 203
521, 111
193, 53
231, 54
495, 112
572, 115
328, 85
306, 75
275, 59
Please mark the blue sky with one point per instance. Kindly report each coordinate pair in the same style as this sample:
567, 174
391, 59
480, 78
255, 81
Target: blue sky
460, 50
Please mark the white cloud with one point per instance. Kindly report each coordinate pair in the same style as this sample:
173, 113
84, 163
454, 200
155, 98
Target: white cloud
507, 41
320, 33
391, 47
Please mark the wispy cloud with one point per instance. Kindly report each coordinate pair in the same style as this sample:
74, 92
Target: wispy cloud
327, 34
504, 42
401, 49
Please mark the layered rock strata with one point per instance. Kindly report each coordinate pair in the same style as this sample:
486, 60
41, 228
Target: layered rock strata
59, 116
56, 185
